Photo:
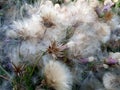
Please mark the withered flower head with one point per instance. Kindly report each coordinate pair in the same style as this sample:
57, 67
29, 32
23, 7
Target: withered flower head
18, 69
22, 34
48, 21
55, 50
111, 81
108, 16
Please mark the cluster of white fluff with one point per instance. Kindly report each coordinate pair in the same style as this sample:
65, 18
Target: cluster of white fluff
48, 23
27, 28
87, 38
115, 55
83, 41
57, 75
111, 81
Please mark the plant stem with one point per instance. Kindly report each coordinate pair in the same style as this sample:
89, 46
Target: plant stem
5, 71
37, 61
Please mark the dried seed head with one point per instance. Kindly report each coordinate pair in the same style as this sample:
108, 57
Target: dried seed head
55, 49
111, 81
47, 21
108, 16
18, 69
57, 75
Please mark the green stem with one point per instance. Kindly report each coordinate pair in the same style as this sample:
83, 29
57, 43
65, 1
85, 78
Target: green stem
5, 71
37, 61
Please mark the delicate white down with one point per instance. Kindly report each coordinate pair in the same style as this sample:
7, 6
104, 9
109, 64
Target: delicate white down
84, 42
103, 31
111, 82
58, 75
14, 56
85, 12
29, 28
115, 55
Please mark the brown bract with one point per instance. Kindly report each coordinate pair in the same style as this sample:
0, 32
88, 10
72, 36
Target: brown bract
47, 21
55, 50
108, 16
18, 69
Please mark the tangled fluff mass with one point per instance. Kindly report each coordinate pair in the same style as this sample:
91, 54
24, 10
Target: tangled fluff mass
49, 23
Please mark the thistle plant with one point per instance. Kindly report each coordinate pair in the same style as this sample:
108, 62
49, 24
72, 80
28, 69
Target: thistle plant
59, 44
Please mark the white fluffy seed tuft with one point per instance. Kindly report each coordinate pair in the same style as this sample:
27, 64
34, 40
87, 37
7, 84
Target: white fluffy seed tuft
57, 75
